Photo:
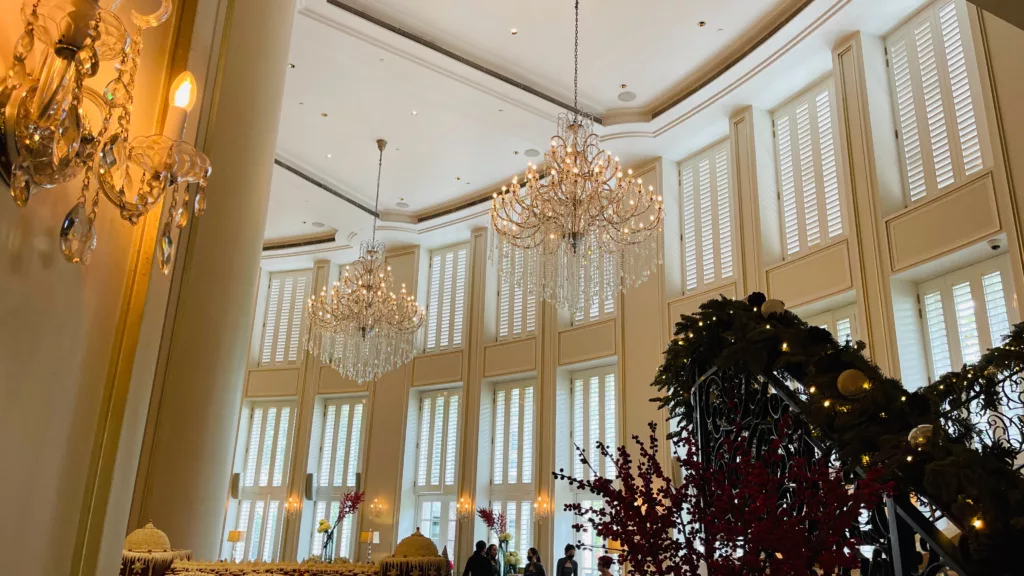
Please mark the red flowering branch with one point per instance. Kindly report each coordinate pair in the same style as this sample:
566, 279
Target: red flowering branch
743, 515
496, 522
349, 504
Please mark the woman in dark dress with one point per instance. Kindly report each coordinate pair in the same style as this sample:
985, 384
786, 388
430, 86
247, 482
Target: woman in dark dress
533, 566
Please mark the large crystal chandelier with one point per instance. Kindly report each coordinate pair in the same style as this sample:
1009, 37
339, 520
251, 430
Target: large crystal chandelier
54, 128
361, 327
584, 229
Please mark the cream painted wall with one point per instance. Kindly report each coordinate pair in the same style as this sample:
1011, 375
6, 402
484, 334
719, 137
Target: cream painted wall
58, 328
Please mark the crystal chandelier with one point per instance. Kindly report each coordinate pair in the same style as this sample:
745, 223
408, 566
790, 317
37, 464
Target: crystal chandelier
585, 229
360, 327
54, 128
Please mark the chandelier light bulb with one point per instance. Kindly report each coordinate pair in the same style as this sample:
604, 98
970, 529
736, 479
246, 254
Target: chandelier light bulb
183, 91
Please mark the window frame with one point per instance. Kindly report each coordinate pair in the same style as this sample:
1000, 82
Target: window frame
711, 154
328, 495
290, 339
953, 133
831, 319
520, 290
822, 179
269, 495
443, 309
521, 493
599, 308
443, 487
584, 428
944, 286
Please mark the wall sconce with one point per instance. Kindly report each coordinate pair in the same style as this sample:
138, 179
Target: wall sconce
54, 128
464, 510
376, 509
541, 508
292, 506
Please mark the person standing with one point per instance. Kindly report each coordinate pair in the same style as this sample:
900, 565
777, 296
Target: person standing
566, 565
478, 564
604, 565
533, 566
492, 557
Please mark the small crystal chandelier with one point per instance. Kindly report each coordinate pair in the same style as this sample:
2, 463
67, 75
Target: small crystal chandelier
361, 327
583, 231
54, 128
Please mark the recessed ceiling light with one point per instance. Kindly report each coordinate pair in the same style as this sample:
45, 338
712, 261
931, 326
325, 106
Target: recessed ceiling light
324, 114
302, 103
531, 153
514, 31
317, 224
702, 23
414, 112
501, 109
328, 155
290, 65
627, 96
402, 205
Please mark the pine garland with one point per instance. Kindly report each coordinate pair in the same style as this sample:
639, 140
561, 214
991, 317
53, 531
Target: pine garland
978, 489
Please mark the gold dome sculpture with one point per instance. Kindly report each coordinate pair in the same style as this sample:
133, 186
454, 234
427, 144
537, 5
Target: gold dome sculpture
416, 546
147, 539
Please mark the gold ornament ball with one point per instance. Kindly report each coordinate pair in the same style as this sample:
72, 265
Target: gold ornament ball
920, 436
852, 383
773, 307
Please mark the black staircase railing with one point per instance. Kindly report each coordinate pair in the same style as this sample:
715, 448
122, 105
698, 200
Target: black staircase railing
899, 539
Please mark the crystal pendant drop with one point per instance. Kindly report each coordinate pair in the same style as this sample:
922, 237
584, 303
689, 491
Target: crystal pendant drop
21, 185
200, 205
77, 235
181, 217
165, 248
116, 93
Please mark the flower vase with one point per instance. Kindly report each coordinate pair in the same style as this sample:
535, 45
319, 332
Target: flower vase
502, 551
327, 552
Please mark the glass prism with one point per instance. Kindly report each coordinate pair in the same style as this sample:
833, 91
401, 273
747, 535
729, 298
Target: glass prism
165, 249
77, 235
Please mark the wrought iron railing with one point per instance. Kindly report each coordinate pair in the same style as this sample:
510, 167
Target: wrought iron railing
899, 539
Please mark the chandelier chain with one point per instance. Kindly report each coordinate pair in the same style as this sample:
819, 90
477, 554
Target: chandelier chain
376, 201
576, 64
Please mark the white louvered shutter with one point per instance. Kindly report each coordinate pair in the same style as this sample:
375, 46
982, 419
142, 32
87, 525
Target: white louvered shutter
595, 410
264, 475
341, 432
934, 90
841, 322
965, 313
438, 441
512, 477
600, 298
707, 218
517, 301
808, 172
285, 317
446, 304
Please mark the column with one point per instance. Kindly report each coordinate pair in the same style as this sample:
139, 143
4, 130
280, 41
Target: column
873, 185
184, 481
752, 149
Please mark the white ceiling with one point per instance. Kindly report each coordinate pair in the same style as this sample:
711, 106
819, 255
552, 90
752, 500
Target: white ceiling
469, 125
617, 40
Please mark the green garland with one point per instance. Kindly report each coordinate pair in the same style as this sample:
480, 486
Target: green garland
979, 490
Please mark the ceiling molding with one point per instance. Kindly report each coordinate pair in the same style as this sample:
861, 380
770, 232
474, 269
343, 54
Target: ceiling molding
460, 59
324, 187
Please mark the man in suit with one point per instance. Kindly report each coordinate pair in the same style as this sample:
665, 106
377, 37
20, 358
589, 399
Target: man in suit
478, 564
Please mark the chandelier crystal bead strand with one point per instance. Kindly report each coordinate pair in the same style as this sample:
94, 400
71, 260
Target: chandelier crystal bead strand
580, 228
360, 326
